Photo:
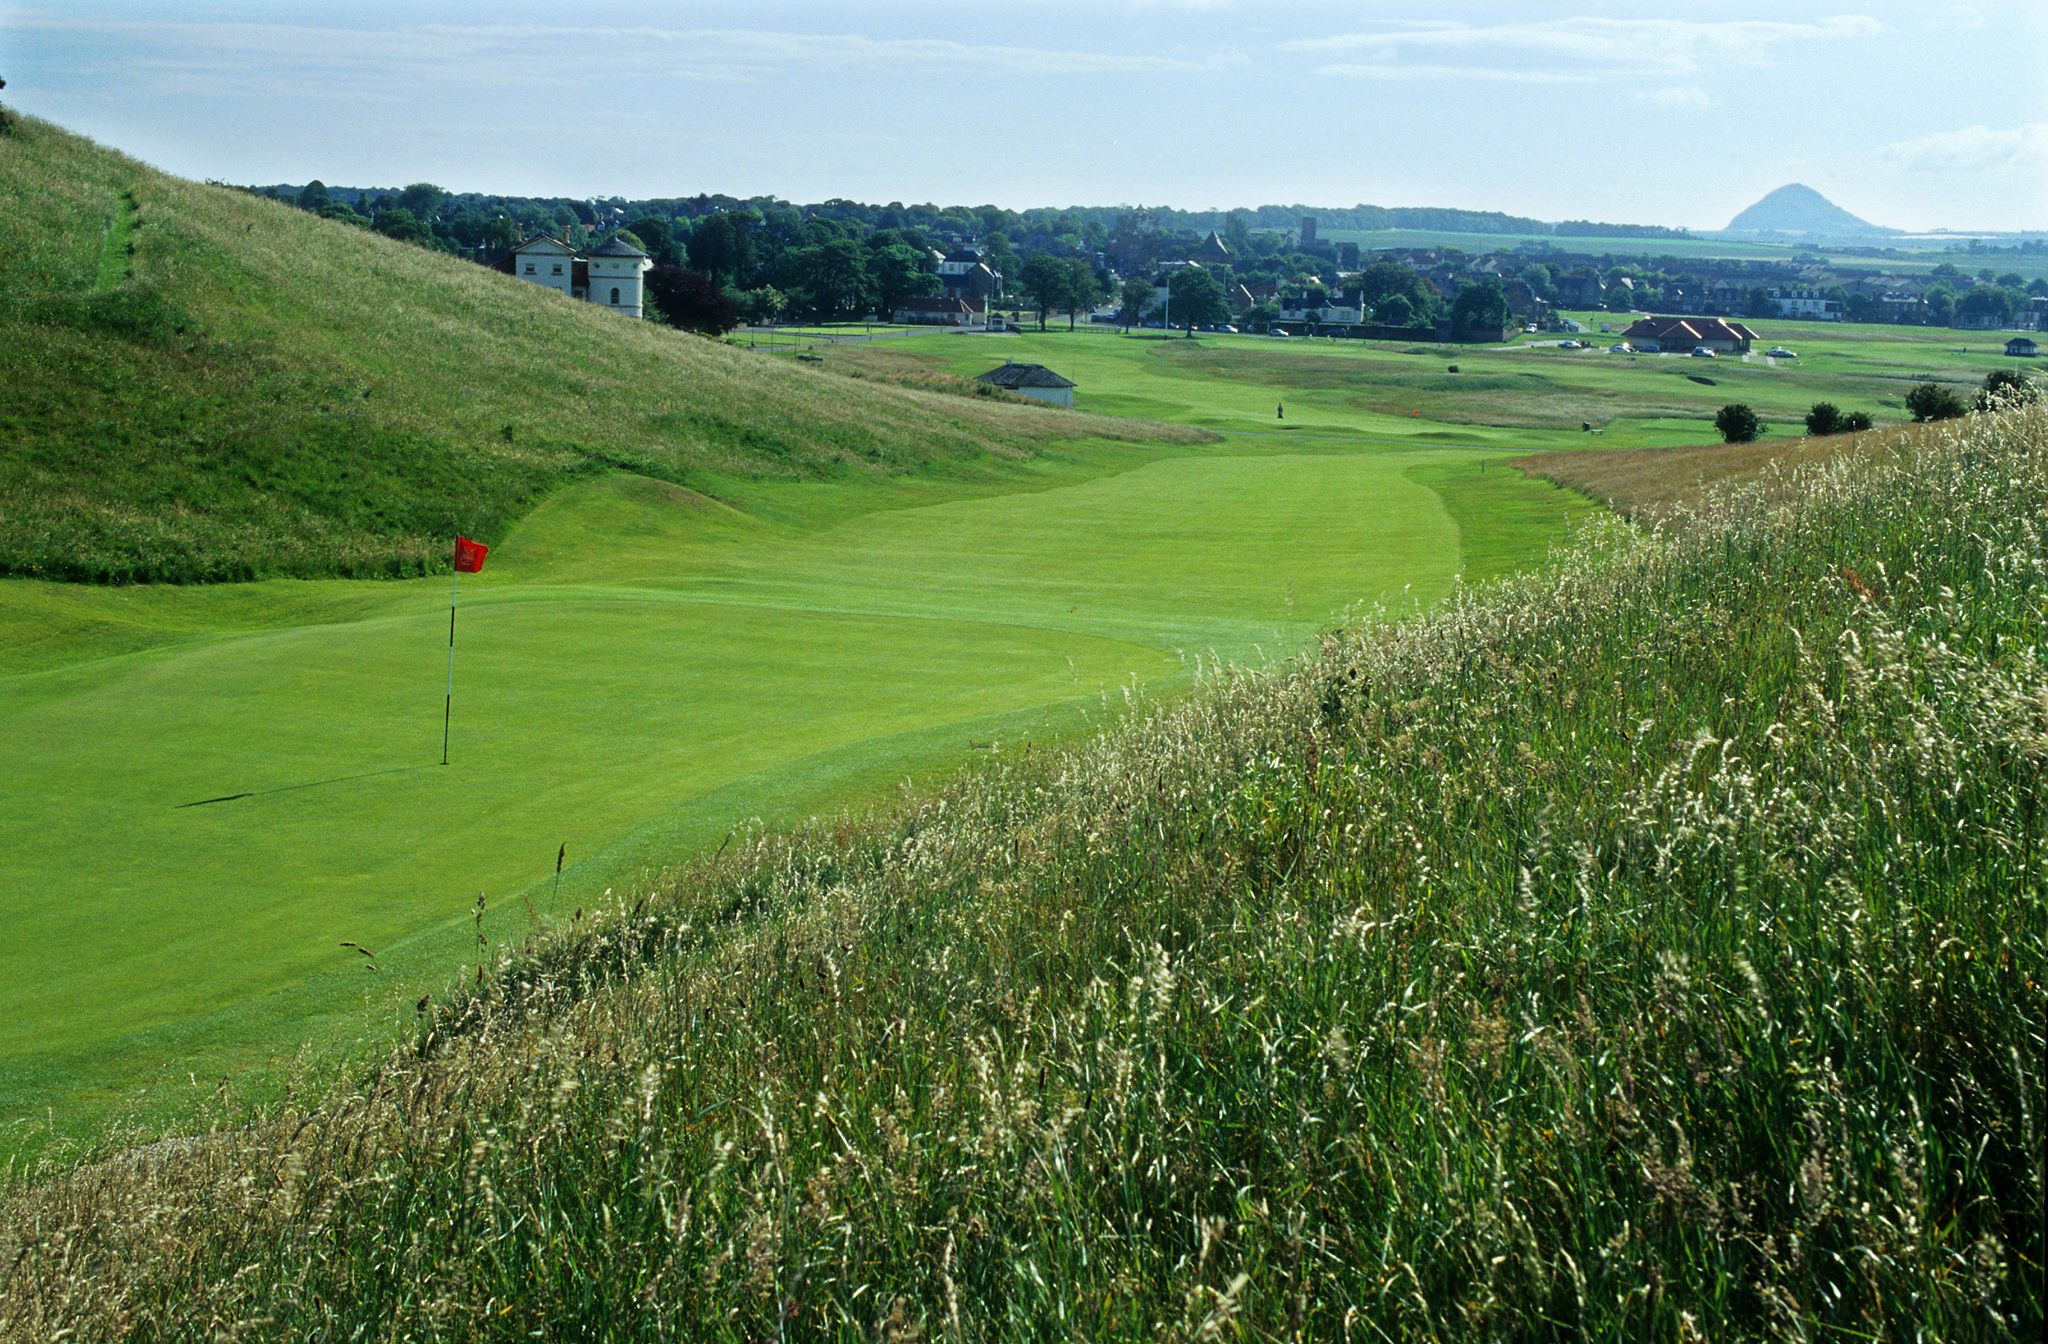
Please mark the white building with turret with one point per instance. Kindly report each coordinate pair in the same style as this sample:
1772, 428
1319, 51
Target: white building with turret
608, 275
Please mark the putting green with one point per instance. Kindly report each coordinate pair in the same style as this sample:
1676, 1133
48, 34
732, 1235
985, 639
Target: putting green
639, 670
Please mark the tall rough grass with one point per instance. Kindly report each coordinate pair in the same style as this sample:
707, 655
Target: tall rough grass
1649, 949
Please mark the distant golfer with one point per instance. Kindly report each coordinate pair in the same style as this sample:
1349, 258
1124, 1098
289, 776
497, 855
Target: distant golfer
1280, 411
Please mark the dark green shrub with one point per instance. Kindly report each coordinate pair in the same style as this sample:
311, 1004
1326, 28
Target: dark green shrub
1855, 422
1824, 419
1738, 423
1932, 401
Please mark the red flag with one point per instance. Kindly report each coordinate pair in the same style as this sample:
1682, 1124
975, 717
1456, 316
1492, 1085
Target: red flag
469, 555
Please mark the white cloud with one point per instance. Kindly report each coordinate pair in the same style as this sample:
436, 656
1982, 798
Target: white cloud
1688, 95
1617, 46
537, 55
1973, 149
1411, 70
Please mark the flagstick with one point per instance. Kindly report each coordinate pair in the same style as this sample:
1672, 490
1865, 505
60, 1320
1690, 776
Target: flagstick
448, 705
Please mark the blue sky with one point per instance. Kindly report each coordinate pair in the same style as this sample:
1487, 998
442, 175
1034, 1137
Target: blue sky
1919, 115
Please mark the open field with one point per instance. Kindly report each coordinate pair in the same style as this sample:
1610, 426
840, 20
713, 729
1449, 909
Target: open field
1529, 396
1650, 949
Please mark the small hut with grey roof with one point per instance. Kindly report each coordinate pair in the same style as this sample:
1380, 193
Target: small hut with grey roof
1031, 380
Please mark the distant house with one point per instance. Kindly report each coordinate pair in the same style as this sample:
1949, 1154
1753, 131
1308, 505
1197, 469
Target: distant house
1212, 251
941, 310
1581, 289
1681, 334
1807, 303
965, 274
1031, 380
2022, 347
610, 275
1329, 308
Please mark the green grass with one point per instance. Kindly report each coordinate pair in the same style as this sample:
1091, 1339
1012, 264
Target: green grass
201, 385
640, 669
1531, 397
1652, 948
766, 592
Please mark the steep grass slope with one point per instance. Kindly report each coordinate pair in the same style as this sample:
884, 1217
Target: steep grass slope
1648, 949
200, 385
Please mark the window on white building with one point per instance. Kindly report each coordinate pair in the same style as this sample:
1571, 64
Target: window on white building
615, 296
529, 268
558, 268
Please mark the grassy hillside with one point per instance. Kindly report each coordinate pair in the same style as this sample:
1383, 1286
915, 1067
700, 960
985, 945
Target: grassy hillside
1649, 949
199, 385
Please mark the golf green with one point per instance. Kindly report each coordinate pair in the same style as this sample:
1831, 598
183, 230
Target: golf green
214, 792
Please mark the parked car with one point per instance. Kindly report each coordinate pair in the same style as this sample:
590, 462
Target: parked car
1529, 330
1780, 352
1621, 348
1567, 345
1277, 331
1701, 352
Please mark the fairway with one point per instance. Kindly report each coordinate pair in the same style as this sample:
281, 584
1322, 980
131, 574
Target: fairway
640, 670
1533, 396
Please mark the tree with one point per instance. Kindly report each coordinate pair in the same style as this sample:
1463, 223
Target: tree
721, 247
902, 272
658, 237
1824, 419
400, 223
1083, 291
1480, 307
828, 281
1986, 303
1384, 279
763, 305
1136, 297
1197, 298
422, 199
313, 196
1043, 280
1738, 423
1939, 305
1395, 311
343, 214
1855, 422
692, 301
1262, 315
1932, 401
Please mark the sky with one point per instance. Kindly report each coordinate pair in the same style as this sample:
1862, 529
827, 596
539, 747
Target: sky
1930, 114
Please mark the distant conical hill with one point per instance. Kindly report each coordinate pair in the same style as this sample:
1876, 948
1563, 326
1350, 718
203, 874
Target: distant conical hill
202, 385
1800, 211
